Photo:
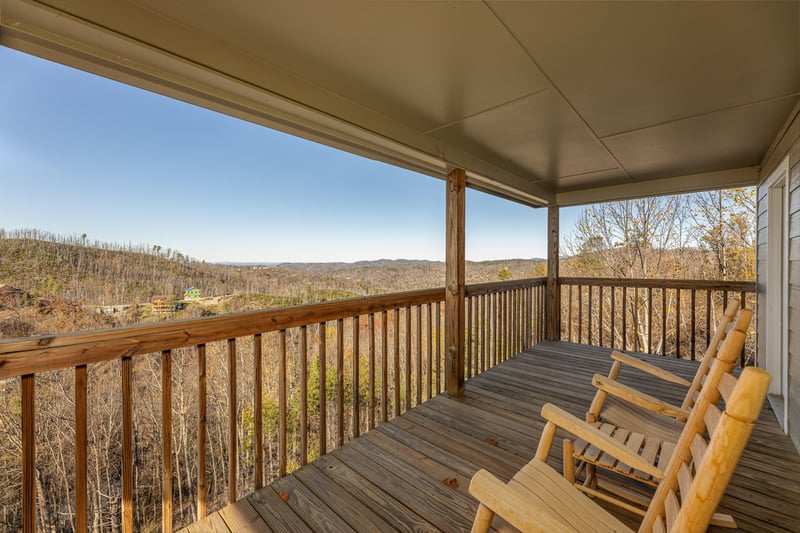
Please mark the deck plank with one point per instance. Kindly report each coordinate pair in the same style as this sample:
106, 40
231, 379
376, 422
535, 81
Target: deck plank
392, 479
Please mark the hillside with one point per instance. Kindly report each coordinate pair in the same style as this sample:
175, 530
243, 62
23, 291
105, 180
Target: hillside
63, 280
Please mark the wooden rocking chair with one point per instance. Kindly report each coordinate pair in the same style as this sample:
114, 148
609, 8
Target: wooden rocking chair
539, 499
623, 406
621, 482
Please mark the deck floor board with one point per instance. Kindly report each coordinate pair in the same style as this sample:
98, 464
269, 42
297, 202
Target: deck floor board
411, 473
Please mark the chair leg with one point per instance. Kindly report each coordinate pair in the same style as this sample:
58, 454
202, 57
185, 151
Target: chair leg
483, 519
569, 461
591, 476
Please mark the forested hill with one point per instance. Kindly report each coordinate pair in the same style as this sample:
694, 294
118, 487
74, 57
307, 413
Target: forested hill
105, 274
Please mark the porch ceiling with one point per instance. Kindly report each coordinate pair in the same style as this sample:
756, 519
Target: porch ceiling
541, 102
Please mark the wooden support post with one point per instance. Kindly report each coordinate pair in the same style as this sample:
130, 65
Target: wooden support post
553, 307
454, 283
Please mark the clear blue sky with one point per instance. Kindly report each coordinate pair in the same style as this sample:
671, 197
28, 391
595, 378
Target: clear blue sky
83, 154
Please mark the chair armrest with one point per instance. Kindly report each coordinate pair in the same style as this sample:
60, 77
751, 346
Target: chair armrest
650, 369
597, 438
517, 508
636, 397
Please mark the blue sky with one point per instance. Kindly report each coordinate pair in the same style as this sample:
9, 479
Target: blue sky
83, 154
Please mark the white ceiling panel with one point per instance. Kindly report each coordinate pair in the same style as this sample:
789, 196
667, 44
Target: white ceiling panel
630, 65
728, 139
538, 133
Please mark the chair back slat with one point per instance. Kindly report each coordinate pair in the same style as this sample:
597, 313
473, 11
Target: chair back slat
726, 385
698, 448
711, 418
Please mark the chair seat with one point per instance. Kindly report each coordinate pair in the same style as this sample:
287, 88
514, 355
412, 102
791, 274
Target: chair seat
547, 502
655, 450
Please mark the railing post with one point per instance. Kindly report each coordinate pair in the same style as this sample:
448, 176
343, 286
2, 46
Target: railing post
553, 307
454, 283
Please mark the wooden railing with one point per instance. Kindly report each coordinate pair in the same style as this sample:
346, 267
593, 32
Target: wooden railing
502, 320
667, 317
327, 371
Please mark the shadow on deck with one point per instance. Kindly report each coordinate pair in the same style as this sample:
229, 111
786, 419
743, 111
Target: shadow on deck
412, 473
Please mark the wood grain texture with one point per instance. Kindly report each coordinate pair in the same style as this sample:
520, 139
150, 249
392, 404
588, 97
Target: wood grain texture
233, 453
81, 415
28, 405
202, 430
127, 444
166, 441
454, 283
553, 305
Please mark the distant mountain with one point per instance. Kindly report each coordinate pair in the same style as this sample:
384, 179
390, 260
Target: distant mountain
329, 267
108, 274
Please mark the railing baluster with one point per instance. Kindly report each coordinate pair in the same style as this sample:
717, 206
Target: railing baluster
81, 503
613, 317
419, 354
589, 310
356, 357
694, 330
28, 400
518, 323
468, 341
438, 347
396, 317
624, 318
283, 451
743, 305
580, 314
600, 315
678, 323
385, 366
483, 332
430, 349
371, 354
708, 317
635, 309
322, 359
166, 441
303, 395
569, 313
408, 358
258, 407
340, 381
649, 319
127, 444
202, 436
664, 321
233, 455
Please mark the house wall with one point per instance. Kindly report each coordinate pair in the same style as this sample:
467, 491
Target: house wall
788, 144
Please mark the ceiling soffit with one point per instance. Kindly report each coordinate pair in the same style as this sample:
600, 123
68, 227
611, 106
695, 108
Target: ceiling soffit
533, 98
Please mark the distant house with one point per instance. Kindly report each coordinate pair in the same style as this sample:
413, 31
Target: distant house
191, 294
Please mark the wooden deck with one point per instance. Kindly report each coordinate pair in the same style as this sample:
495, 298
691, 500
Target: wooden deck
412, 473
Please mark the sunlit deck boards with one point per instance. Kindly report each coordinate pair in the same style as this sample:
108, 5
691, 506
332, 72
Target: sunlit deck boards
412, 473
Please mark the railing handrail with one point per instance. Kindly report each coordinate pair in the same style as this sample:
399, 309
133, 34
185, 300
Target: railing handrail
52, 352
698, 284
474, 289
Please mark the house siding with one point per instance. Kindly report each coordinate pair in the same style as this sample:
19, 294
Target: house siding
789, 146
794, 302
